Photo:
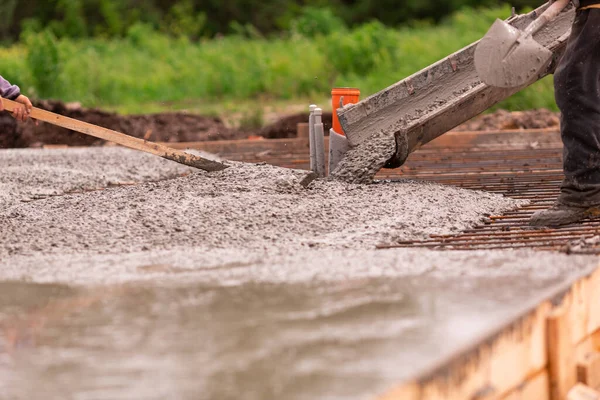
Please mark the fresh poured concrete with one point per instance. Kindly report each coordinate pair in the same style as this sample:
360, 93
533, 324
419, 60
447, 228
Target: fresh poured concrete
327, 324
243, 207
245, 284
36, 174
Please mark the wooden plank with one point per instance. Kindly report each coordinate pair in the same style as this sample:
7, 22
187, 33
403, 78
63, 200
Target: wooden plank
590, 345
582, 392
593, 317
579, 310
535, 388
507, 363
521, 351
533, 358
119, 138
561, 354
285, 146
463, 379
588, 370
406, 392
303, 131
512, 139
584, 316
485, 393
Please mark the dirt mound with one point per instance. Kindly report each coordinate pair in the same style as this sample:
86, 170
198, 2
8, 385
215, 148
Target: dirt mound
185, 127
164, 127
502, 119
287, 127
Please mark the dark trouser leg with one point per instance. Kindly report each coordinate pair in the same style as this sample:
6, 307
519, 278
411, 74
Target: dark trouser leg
577, 88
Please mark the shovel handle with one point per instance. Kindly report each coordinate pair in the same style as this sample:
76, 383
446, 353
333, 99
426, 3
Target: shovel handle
118, 138
547, 16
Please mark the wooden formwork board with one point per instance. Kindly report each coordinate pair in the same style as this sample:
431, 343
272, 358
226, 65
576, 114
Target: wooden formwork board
542, 356
507, 139
247, 146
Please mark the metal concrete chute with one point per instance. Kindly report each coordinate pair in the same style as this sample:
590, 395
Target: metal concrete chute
442, 96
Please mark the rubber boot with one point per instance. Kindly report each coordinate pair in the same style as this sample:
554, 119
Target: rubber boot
561, 214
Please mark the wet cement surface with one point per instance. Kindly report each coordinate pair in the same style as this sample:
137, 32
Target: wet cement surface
361, 163
226, 300
28, 175
332, 332
244, 206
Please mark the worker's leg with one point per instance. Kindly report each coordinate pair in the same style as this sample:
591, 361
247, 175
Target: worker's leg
577, 89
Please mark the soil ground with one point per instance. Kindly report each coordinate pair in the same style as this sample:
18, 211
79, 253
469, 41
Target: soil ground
186, 127
175, 127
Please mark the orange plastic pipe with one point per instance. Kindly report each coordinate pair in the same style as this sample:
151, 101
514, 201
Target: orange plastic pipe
339, 98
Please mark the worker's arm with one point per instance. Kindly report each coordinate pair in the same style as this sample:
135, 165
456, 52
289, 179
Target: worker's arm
9, 91
13, 92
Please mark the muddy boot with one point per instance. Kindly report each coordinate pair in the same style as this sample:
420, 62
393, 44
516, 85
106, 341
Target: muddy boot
561, 214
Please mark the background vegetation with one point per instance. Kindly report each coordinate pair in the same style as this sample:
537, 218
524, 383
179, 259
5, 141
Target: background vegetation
207, 18
128, 53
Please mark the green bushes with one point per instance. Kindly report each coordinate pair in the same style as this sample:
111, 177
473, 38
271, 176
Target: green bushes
148, 66
44, 64
195, 18
361, 51
315, 21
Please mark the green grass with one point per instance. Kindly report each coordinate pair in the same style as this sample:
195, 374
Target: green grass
148, 71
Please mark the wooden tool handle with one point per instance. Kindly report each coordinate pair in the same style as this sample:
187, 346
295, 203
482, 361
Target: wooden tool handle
119, 138
548, 15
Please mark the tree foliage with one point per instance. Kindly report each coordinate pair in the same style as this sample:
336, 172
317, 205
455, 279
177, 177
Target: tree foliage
147, 67
207, 18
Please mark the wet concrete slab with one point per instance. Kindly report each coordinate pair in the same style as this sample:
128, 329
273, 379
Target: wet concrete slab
99, 300
337, 330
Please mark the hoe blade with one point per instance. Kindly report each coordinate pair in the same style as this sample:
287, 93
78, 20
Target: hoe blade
506, 58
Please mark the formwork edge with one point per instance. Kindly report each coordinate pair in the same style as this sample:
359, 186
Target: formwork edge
521, 360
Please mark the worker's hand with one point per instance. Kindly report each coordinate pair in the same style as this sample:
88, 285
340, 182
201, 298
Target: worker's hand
22, 113
1, 105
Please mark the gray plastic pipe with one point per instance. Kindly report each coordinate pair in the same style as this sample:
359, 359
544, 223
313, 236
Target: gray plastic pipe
311, 138
319, 143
